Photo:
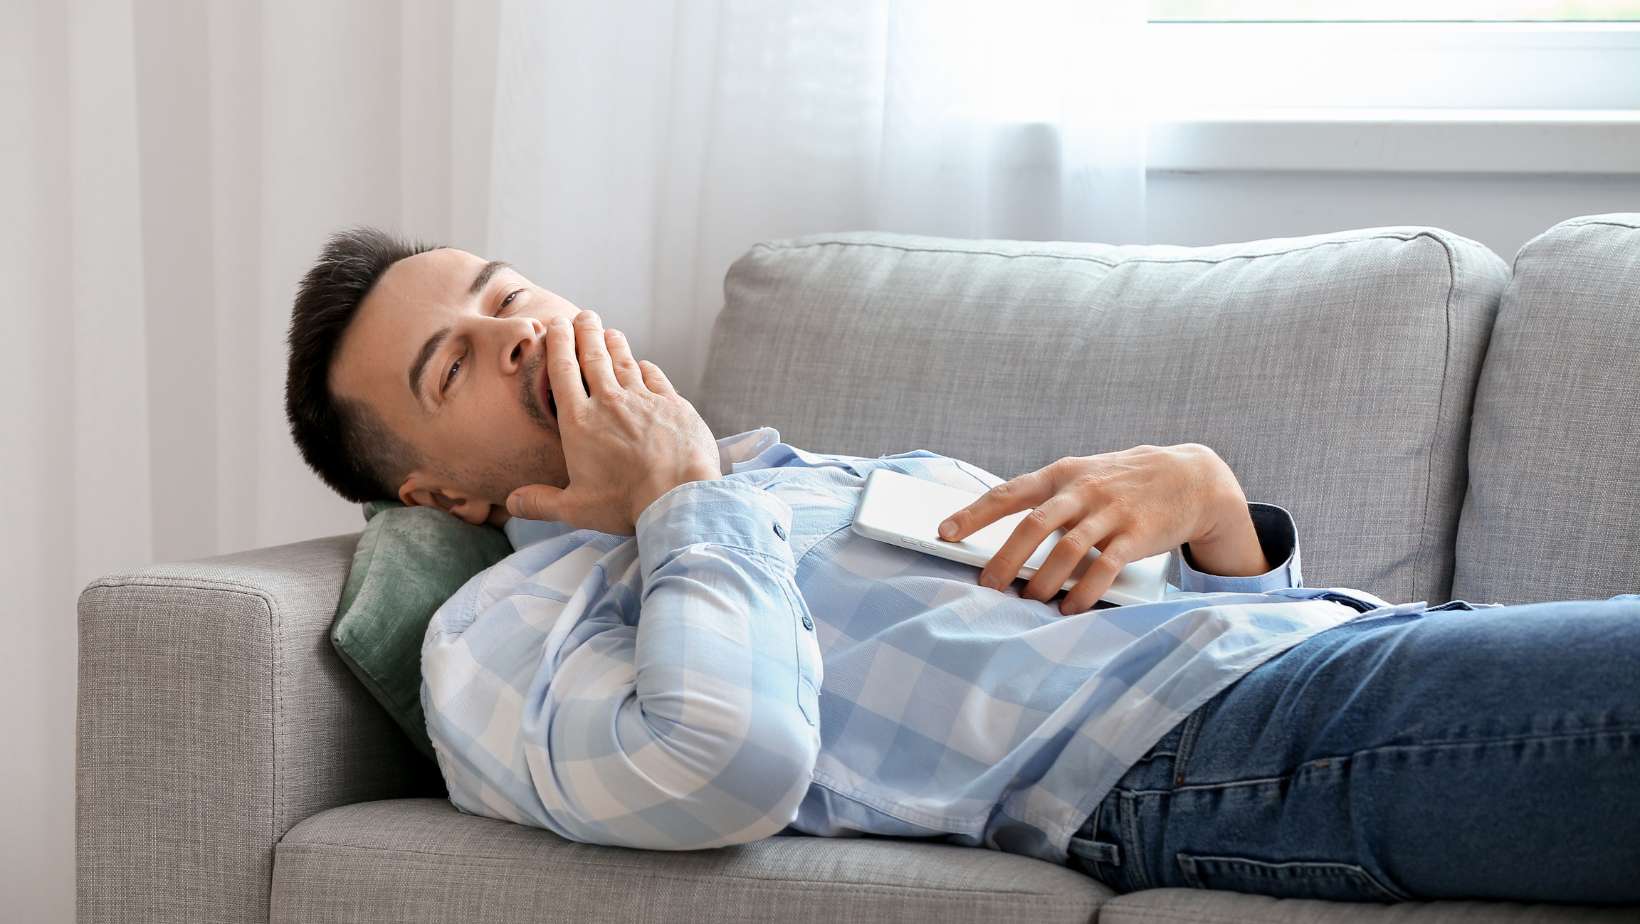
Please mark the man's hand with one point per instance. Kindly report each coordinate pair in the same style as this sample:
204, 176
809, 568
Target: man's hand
628, 437
1130, 505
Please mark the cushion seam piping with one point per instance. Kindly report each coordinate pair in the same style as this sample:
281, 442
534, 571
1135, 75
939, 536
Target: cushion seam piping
713, 876
768, 245
1435, 432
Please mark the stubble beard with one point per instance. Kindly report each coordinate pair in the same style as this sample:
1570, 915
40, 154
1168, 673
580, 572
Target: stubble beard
531, 465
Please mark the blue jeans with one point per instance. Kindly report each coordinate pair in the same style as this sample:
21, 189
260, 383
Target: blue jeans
1460, 753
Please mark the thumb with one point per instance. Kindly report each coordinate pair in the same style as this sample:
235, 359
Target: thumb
536, 502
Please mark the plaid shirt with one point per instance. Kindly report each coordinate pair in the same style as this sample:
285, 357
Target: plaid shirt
748, 665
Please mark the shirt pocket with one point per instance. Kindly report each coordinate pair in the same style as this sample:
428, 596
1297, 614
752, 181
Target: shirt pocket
1329, 881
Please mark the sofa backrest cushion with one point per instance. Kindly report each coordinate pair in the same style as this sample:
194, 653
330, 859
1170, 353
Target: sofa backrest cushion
1553, 506
1334, 373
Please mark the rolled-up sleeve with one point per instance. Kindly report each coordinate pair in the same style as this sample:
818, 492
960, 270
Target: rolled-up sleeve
1277, 536
698, 727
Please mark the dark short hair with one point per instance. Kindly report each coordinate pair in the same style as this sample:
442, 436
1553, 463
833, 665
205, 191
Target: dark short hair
343, 440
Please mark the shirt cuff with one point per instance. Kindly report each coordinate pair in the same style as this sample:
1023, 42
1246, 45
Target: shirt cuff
720, 511
1277, 536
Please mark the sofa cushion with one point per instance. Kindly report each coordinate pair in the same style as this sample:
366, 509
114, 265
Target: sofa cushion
1553, 508
407, 860
1181, 906
1334, 372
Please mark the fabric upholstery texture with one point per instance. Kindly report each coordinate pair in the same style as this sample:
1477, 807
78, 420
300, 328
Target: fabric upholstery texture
1553, 508
1334, 373
212, 716
409, 560
421, 860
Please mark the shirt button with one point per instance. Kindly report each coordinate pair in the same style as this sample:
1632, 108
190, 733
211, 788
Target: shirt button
779, 530
808, 623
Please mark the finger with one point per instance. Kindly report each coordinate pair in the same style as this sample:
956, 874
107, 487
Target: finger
536, 502
1003, 567
655, 378
1011, 496
589, 344
620, 356
1100, 575
564, 371
1067, 555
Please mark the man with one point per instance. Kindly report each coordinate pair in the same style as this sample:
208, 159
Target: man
690, 648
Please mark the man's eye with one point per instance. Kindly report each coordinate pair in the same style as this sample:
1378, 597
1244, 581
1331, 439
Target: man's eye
451, 375
509, 298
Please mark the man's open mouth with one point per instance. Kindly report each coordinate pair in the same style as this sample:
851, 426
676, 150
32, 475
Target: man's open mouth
544, 396
548, 402
543, 393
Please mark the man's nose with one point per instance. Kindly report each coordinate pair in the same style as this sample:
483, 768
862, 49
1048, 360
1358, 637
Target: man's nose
521, 336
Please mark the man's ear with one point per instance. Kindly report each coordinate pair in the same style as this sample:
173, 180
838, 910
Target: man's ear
420, 490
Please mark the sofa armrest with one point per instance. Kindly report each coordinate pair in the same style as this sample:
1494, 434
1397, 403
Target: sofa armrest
213, 716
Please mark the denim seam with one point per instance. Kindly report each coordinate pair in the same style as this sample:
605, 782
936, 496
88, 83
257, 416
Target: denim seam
1129, 816
1187, 745
1432, 745
1093, 834
1304, 869
1624, 729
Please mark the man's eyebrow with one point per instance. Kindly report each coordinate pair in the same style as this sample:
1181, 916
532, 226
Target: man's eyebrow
434, 342
427, 351
483, 277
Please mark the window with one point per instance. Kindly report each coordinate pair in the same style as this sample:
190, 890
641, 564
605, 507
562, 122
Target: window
1217, 66
1415, 85
1394, 10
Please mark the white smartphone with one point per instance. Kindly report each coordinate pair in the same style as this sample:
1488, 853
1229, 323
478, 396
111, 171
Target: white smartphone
905, 511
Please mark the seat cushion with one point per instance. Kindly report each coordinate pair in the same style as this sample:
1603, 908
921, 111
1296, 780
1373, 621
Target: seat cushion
1334, 373
1553, 508
1181, 906
408, 860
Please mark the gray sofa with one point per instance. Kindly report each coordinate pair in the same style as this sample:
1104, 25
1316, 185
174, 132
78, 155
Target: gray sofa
1440, 423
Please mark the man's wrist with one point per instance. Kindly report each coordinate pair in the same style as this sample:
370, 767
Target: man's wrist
1231, 548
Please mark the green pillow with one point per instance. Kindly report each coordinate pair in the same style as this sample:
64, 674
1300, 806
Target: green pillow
408, 562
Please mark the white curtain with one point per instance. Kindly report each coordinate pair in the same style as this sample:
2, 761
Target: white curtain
169, 169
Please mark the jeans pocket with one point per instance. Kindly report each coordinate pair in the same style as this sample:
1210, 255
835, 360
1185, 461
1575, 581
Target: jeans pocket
1345, 882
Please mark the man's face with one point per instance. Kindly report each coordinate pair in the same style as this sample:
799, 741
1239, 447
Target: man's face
458, 372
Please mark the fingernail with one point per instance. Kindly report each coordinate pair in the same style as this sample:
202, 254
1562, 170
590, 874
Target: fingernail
948, 529
513, 506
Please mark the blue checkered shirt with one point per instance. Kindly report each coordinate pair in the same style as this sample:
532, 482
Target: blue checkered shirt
749, 665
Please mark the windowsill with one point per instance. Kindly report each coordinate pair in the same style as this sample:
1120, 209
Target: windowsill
1565, 141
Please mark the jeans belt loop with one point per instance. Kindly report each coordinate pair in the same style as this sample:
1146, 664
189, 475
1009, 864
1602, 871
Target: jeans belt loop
1098, 852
